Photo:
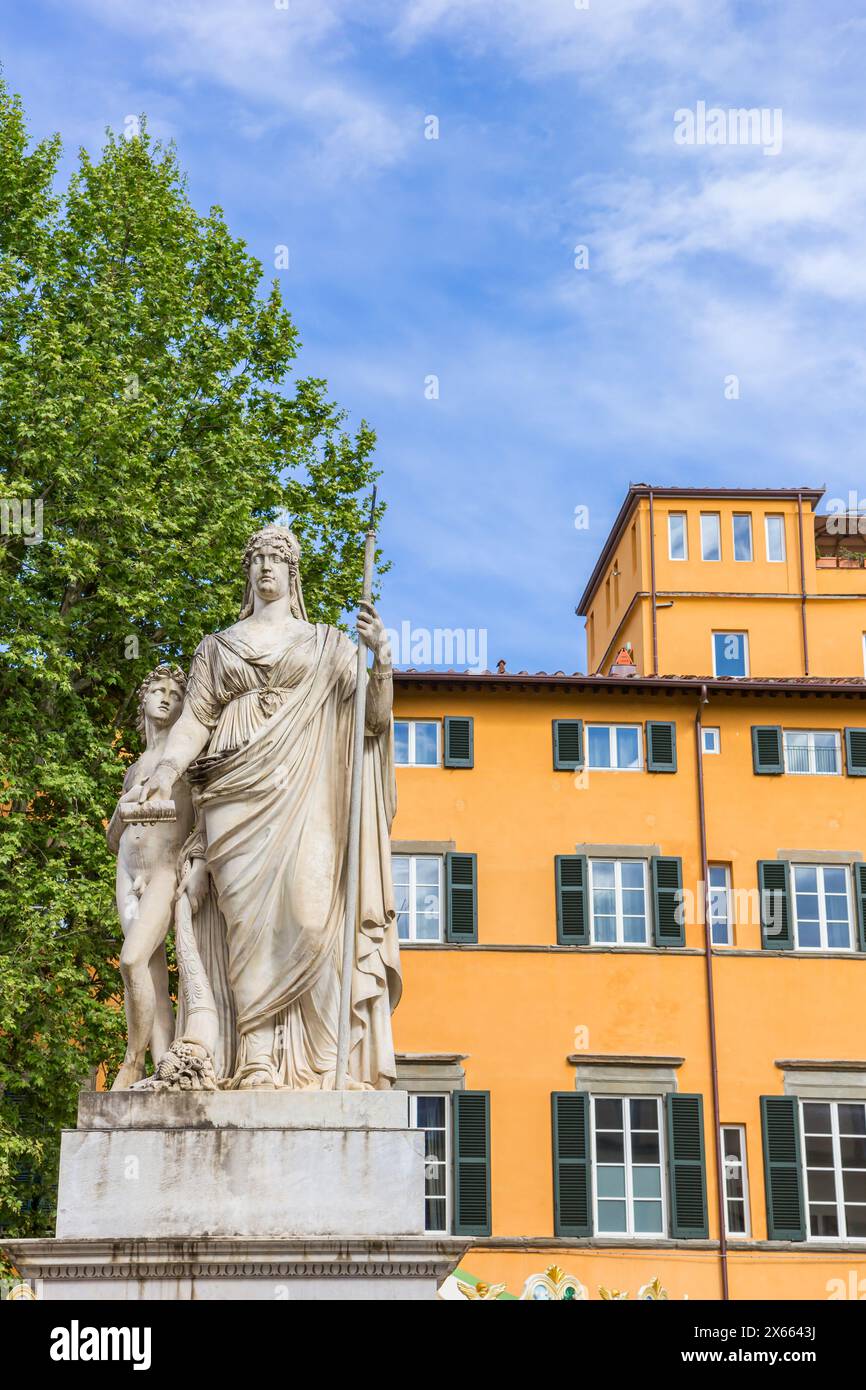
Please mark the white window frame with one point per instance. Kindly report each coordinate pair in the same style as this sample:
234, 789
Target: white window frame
411, 938
678, 559
743, 516
729, 898
812, 769
745, 636
822, 908
780, 517
414, 1097
411, 723
740, 1131
619, 924
630, 1233
716, 517
836, 1171
612, 728
716, 731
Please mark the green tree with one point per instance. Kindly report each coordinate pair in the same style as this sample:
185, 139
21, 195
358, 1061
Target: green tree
144, 406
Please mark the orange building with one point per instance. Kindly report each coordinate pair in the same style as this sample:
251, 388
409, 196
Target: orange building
633, 911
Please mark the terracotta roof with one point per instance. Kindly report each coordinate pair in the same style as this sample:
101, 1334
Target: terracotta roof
639, 490
830, 685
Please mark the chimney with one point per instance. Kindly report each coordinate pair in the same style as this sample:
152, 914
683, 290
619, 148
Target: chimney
624, 663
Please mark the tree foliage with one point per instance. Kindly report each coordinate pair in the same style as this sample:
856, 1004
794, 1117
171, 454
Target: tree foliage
145, 404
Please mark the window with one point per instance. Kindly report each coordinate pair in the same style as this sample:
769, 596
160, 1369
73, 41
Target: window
775, 528
618, 901
736, 1180
416, 742
430, 1113
719, 904
418, 896
730, 654
742, 536
822, 907
712, 740
711, 536
615, 746
834, 1152
812, 752
627, 1154
678, 536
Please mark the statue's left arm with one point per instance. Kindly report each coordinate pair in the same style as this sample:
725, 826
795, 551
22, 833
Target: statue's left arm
380, 684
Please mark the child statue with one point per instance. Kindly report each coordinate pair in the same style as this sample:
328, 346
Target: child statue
147, 879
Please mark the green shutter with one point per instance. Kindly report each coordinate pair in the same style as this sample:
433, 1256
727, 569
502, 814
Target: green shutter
669, 928
687, 1166
461, 897
567, 745
459, 741
855, 752
572, 1191
767, 755
783, 1179
860, 894
777, 927
661, 746
471, 1136
572, 900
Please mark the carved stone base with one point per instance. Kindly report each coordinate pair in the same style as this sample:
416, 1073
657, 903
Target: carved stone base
240, 1194
410, 1267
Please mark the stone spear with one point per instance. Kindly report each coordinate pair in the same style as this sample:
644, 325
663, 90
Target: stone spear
353, 853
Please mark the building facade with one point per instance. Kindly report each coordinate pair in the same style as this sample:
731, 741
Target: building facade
633, 918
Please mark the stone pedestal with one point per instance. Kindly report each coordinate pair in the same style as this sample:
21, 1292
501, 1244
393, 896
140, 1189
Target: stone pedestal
240, 1194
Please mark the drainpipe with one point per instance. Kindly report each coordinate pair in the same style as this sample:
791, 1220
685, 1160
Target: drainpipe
711, 1002
803, 586
653, 584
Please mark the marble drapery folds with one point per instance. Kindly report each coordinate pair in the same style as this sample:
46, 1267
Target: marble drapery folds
273, 795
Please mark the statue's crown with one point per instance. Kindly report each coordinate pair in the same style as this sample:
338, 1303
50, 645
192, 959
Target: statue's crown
277, 538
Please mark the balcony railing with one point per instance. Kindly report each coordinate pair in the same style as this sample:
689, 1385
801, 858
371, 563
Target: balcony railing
818, 761
855, 561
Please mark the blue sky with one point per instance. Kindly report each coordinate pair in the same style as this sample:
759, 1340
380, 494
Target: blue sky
455, 257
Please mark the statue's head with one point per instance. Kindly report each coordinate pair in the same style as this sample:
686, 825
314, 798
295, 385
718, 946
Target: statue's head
272, 562
160, 697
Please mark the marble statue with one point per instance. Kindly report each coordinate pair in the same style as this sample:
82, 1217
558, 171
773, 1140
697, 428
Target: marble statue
264, 741
145, 881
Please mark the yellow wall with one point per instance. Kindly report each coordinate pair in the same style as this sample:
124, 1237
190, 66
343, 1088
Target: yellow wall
696, 597
515, 1011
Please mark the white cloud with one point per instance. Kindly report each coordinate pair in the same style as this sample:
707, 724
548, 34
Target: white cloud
801, 219
557, 35
294, 63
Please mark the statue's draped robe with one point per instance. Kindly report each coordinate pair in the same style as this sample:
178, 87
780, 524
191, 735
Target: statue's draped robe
274, 797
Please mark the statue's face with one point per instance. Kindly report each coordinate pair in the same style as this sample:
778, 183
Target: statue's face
163, 701
269, 575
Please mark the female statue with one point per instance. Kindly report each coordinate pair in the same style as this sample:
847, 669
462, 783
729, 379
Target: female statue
269, 705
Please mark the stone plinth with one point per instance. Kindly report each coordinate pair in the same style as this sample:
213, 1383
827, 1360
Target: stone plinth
240, 1194
407, 1268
